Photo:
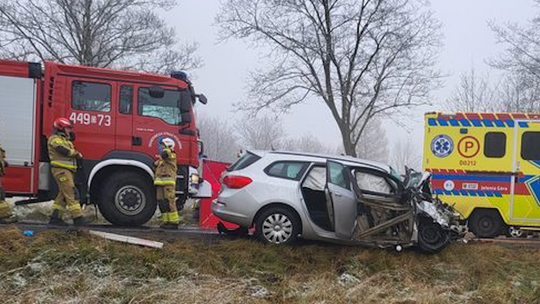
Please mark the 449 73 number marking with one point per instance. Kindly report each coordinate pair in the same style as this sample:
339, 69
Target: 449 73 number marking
90, 119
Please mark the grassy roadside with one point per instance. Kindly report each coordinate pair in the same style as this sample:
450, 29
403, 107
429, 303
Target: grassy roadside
60, 267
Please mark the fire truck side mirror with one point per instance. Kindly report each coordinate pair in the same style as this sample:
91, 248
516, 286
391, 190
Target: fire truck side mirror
202, 99
156, 92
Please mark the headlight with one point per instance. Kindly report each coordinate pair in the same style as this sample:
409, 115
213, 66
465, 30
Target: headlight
194, 178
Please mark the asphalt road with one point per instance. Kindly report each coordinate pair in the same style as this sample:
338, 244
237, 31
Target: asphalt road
149, 232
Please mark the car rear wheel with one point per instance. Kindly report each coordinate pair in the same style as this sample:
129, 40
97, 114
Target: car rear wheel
431, 236
486, 223
277, 225
127, 199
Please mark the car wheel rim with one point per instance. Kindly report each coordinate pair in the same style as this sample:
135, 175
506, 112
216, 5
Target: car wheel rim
130, 200
516, 233
277, 228
431, 234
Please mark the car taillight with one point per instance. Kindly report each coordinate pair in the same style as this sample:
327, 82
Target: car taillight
236, 181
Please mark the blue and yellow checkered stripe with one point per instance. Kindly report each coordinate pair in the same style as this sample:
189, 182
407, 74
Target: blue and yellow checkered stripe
464, 192
490, 123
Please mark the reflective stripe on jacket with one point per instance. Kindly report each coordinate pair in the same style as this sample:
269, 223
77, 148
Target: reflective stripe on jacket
2, 161
166, 169
58, 160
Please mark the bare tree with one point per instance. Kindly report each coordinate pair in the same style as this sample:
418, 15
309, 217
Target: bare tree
472, 94
405, 153
520, 88
103, 33
218, 136
522, 42
264, 133
361, 58
519, 93
514, 92
373, 144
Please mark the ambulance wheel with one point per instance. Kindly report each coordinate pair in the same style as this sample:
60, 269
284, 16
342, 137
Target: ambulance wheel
127, 199
486, 223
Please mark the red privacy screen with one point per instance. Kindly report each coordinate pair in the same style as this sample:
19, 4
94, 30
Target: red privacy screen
211, 172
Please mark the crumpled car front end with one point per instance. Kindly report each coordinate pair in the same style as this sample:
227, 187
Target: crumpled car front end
437, 223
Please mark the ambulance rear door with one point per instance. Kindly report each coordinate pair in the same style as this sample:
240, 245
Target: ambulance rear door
525, 201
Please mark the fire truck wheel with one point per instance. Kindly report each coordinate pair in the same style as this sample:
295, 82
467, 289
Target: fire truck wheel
486, 223
127, 199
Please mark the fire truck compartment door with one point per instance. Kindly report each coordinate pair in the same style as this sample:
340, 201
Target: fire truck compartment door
17, 119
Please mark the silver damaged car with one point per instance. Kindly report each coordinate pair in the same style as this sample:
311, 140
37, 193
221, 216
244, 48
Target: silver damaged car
286, 195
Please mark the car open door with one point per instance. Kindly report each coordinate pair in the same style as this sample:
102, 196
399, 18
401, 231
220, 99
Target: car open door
342, 200
384, 216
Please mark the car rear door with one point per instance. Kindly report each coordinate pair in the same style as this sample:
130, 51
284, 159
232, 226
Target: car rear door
342, 198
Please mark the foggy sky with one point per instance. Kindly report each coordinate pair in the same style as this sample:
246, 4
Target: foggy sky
467, 41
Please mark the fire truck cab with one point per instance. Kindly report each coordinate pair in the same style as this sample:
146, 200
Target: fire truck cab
487, 165
119, 117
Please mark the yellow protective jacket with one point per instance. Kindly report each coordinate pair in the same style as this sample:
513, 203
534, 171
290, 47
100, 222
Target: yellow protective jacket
62, 153
2, 161
165, 174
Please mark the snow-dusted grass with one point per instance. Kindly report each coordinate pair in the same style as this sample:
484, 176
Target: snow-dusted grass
42, 211
61, 267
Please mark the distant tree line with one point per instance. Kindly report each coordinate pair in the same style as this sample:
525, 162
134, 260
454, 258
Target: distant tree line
223, 140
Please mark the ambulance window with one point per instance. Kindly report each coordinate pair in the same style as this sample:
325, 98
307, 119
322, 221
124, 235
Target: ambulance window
530, 146
126, 99
495, 144
91, 96
165, 108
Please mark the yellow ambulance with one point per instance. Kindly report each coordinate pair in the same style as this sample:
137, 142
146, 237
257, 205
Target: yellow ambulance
487, 165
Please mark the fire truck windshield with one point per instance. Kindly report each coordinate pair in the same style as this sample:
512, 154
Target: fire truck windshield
171, 107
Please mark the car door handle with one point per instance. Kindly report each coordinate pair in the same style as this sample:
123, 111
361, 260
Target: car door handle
337, 194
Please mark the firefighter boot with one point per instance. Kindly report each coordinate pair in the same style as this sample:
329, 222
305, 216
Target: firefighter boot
81, 221
164, 208
169, 226
56, 220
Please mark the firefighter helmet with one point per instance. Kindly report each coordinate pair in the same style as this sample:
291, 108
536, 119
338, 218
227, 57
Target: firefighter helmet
62, 123
168, 142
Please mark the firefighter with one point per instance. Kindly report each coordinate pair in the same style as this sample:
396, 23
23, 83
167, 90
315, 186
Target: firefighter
6, 215
165, 182
64, 156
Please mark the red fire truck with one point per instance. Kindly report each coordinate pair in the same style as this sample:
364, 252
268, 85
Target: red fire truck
119, 117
